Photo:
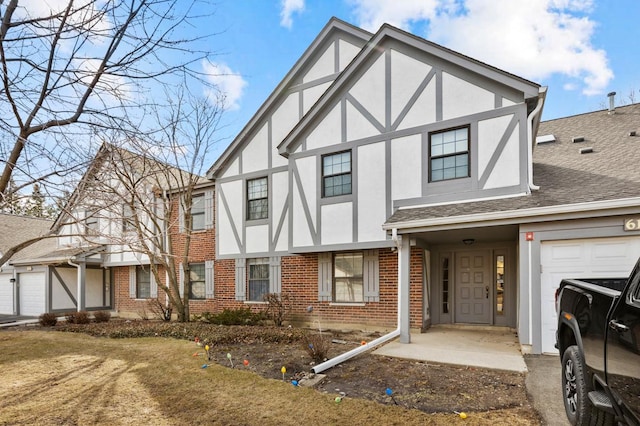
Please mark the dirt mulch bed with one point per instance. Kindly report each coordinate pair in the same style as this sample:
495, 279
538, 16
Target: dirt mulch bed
428, 387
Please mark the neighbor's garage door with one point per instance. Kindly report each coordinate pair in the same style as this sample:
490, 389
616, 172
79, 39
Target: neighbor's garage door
583, 258
31, 293
6, 294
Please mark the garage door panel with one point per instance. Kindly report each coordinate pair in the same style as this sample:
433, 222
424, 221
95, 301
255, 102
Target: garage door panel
31, 293
582, 258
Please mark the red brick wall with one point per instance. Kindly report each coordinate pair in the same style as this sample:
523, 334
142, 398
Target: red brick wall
299, 280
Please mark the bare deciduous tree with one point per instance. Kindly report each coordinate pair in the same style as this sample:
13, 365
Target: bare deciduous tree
70, 70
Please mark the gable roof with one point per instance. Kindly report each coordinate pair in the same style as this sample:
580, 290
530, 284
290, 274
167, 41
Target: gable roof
570, 182
530, 89
334, 25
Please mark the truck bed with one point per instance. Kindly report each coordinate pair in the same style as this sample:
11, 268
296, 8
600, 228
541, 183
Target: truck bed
610, 283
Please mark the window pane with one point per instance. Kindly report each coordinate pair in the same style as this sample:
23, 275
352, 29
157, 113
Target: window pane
257, 188
143, 283
500, 285
258, 279
449, 154
196, 278
197, 212
258, 209
348, 284
336, 172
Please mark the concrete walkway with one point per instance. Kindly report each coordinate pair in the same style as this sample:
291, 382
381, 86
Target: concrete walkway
486, 347
489, 347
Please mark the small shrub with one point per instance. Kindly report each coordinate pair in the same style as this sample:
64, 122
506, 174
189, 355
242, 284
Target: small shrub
48, 319
317, 346
102, 316
240, 316
159, 310
278, 307
81, 317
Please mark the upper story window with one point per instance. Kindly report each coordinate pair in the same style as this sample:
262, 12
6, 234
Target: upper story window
128, 221
336, 174
91, 222
449, 154
257, 199
197, 212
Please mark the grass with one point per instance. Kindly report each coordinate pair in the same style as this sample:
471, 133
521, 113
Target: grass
68, 378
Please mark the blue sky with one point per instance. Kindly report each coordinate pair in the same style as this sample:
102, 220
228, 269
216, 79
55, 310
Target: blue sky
580, 49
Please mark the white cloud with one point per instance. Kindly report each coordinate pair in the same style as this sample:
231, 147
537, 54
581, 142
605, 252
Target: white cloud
399, 13
229, 83
534, 39
289, 7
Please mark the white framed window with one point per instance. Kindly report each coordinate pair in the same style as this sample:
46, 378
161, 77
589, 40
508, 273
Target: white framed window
257, 199
197, 212
347, 277
128, 221
143, 282
449, 154
258, 285
197, 282
336, 174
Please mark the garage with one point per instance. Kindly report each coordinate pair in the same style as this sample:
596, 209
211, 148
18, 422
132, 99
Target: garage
580, 258
31, 293
6, 294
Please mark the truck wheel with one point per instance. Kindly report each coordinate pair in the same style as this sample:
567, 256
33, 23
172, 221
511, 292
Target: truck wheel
574, 387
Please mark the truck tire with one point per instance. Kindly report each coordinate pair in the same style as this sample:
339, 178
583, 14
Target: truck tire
575, 387
601, 418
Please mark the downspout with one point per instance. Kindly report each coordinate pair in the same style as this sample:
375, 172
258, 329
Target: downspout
541, 95
370, 345
79, 283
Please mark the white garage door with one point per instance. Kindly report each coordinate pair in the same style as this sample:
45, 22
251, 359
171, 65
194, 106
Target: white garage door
6, 294
583, 258
31, 293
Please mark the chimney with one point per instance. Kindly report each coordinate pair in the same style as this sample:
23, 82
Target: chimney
612, 108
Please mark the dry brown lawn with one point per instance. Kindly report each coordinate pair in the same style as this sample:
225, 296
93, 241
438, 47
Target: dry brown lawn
54, 378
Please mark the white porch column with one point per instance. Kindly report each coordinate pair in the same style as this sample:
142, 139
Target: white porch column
404, 252
81, 286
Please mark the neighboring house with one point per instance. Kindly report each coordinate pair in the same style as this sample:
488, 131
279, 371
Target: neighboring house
121, 215
28, 297
389, 181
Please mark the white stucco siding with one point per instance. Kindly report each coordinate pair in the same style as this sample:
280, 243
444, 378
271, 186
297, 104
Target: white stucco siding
255, 155
94, 288
347, 52
59, 297
301, 233
423, 110
279, 191
282, 244
337, 220
6, 294
285, 117
371, 192
328, 131
227, 223
325, 65
312, 94
358, 126
460, 98
308, 178
369, 90
257, 239
507, 102
504, 172
232, 170
406, 75
406, 167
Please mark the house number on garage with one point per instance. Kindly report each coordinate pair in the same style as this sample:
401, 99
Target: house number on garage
632, 224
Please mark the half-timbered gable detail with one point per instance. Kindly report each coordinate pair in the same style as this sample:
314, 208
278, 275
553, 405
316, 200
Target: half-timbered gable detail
252, 178
409, 123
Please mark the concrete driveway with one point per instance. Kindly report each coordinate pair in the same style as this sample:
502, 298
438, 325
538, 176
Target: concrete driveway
544, 386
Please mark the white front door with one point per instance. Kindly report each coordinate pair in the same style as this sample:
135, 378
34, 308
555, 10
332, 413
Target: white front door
581, 258
31, 291
6, 294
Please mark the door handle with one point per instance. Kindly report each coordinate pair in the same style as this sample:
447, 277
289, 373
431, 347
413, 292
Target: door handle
487, 291
618, 326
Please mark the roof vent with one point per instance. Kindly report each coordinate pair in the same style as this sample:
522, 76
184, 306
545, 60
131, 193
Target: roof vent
632, 133
578, 139
587, 150
612, 108
545, 139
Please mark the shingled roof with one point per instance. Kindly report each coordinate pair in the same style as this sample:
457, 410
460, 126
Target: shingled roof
565, 175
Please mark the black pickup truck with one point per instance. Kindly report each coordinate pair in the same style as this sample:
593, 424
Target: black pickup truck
598, 338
